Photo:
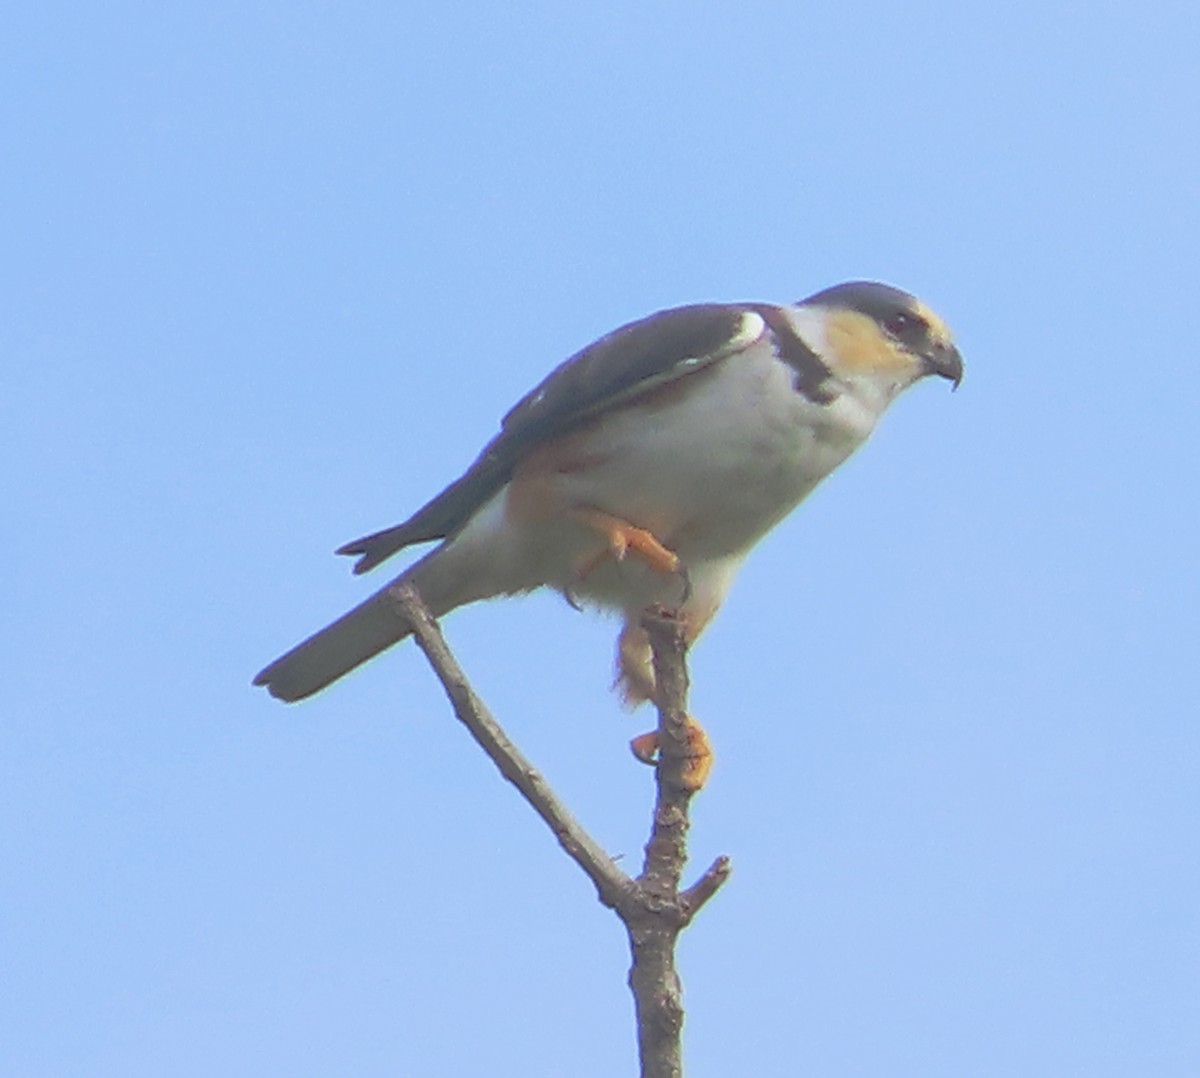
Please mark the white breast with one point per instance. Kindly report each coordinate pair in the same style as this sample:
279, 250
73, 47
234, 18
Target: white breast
714, 468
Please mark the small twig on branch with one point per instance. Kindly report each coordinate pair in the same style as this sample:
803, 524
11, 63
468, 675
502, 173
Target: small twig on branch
651, 907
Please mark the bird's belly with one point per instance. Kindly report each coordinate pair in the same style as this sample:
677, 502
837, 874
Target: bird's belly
713, 469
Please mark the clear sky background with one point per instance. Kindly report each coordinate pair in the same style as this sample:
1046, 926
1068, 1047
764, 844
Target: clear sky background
270, 275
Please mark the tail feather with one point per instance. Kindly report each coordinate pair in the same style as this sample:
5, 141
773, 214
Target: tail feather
365, 631
474, 565
337, 649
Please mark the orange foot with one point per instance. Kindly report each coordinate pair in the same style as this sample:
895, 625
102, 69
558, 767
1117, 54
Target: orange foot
698, 754
621, 539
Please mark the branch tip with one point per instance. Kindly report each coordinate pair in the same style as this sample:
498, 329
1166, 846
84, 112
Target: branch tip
705, 887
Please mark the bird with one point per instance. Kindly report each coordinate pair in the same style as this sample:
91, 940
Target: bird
643, 469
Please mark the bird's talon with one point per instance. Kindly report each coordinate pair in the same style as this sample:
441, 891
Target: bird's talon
686, 578
645, 747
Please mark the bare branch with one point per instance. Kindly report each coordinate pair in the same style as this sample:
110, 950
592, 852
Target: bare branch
651, 907
654, 929
611, 883
666, 852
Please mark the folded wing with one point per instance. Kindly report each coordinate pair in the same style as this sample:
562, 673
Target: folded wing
619, 367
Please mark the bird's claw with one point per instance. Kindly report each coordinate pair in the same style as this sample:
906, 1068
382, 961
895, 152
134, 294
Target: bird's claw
573, 602
685, 578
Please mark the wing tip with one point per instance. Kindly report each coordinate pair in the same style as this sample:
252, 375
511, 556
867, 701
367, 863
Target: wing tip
360, 548
374, 549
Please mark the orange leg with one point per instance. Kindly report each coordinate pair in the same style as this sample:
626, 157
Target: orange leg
698, 754
623, 538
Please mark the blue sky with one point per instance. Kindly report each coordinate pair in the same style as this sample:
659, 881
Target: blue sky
272, 273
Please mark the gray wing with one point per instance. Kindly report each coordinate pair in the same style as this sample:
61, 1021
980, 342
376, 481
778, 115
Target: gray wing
619, 367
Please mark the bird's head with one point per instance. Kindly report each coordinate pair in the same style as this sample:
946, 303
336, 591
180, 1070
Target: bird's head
879, 340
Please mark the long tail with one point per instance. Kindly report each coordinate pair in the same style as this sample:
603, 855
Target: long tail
486, 558
334, 651
355, 637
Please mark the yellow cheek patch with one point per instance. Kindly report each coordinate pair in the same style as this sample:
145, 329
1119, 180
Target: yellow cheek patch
938, 330
856, 345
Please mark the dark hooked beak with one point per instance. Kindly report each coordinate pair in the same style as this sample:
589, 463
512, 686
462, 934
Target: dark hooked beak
944, 361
